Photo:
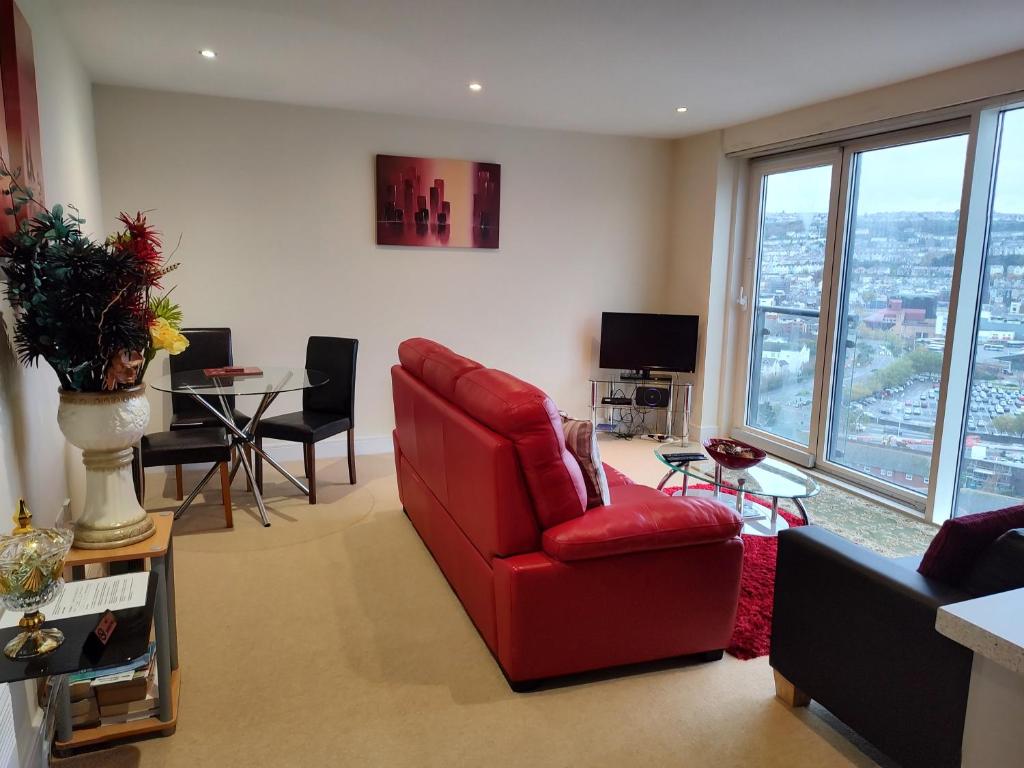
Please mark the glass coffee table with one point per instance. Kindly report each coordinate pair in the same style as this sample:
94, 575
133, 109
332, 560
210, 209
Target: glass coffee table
770, 479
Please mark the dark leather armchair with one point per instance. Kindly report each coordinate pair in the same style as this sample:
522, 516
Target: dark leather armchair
855, 631
327, 410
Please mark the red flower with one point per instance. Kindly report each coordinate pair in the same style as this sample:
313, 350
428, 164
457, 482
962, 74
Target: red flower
141, 238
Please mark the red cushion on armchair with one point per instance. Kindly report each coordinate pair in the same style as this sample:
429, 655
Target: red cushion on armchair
961, 540
641, 519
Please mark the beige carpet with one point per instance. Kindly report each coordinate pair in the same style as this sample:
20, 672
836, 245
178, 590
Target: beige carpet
331, 639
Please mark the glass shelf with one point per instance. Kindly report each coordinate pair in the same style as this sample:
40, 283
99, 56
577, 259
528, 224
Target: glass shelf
633, 418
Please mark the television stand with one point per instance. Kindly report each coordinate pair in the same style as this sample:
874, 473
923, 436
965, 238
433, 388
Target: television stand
617, 407
637, 375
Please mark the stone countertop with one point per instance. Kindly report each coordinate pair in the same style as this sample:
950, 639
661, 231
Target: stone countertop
991, 626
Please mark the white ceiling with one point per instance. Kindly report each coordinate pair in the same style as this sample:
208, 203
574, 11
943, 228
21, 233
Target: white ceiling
594, 65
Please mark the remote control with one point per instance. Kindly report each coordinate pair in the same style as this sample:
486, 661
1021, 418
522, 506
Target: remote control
683, 457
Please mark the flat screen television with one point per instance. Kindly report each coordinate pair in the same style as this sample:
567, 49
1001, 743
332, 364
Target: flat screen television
644, 342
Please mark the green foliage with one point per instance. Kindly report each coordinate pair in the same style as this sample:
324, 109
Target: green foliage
79, 304
899, 372
986, 373
771, 382
1013, 424
76, 302
865, 356
163, 307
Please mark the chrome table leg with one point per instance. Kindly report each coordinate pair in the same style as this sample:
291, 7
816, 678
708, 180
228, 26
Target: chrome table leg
666, 478
803, 511
255, 491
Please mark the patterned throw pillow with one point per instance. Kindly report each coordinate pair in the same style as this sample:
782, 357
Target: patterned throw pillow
581, 442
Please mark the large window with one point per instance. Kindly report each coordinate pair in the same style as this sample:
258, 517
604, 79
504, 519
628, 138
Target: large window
869, 354
791, 262
897, 273
992, 470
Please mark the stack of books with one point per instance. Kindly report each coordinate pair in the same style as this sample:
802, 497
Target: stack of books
107, 695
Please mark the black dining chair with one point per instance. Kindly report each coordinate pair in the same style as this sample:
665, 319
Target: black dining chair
327, 410
207, 348
202, 445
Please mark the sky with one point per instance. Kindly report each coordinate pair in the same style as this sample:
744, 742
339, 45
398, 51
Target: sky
926, 176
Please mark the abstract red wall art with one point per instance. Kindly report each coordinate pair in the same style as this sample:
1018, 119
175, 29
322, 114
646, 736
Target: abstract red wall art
437, 203
18, 74
19, 134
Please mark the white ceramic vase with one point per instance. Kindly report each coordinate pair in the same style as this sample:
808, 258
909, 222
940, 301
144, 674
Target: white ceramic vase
105, 425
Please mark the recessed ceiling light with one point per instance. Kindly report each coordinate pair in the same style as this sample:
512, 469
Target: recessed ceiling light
475, 87
206, 53
680, 109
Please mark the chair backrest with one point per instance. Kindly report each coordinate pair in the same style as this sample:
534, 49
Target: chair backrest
337, 358
207, 348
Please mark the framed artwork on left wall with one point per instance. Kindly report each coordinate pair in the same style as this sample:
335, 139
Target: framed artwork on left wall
20, 143
437, 203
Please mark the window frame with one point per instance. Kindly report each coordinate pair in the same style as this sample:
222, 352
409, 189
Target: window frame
851, 150
759, 170
982, 123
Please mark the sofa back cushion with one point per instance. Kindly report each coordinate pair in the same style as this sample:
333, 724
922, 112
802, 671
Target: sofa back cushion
528, 417
1000, 567
961, 540
471, 471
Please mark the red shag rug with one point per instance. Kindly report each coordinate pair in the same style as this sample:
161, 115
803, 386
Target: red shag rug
752, 636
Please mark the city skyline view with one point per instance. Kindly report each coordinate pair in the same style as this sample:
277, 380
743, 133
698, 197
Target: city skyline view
897, 186
898, 268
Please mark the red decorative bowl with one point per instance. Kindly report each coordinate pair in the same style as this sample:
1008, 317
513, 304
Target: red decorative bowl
732, 454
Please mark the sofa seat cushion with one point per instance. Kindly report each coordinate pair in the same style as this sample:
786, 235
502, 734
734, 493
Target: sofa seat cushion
529, 418
961, 540
640, 519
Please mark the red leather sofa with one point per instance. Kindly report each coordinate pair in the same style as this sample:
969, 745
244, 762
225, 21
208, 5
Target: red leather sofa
553, 588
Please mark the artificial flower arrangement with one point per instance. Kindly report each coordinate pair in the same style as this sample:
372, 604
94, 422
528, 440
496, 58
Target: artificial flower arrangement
90, 309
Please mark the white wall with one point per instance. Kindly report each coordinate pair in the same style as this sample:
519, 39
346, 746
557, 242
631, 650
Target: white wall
698, 270
920, 96
275, 207
32, 449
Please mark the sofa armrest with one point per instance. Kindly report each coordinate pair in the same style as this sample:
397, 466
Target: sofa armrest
641, 519
615, 477
856, 632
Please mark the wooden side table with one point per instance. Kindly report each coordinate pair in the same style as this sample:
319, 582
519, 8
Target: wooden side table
159, 550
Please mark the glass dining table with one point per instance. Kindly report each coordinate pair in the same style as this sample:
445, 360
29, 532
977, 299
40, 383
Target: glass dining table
212, 393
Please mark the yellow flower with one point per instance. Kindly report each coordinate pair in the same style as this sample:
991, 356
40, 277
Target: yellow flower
164, 336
